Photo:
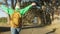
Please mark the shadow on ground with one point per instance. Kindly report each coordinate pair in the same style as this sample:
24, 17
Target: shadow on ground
32, 27
51, 32
4, 29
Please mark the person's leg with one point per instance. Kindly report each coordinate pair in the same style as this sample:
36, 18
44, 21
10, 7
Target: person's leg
13, 30
18, 30
48, 19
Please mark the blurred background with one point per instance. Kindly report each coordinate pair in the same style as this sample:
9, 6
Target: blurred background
41, 14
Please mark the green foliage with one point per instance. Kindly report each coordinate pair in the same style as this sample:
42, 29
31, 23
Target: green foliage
3, 20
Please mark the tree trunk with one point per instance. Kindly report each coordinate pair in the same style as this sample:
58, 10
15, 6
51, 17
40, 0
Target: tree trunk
6, 2
12, 4
19, 1
15, 2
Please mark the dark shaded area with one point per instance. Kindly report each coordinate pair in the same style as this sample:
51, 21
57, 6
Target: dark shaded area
28, 27
52, 31
4, 29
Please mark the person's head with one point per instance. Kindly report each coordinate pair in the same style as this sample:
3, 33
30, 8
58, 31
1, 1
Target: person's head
43, 7
58, 7
17, 7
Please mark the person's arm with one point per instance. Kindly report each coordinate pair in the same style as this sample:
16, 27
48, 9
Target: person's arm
24, 10
6, 9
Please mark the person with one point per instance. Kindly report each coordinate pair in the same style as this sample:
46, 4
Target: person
39, 4
43, 15
48, 19
14, 24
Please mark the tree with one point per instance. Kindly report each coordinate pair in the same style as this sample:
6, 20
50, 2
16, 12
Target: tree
6, 2
12, 4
